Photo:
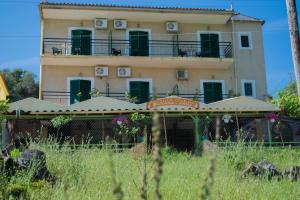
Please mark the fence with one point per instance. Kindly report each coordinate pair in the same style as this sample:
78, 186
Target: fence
177, 132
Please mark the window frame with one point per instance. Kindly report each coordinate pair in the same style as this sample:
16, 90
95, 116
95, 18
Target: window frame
199, 32
127, 51
70, 29
249, 34
211, 81
253, 87
78, 78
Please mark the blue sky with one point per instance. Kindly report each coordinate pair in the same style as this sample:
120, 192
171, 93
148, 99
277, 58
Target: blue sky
20, 42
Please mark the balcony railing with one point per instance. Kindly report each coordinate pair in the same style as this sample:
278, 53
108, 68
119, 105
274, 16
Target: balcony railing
63, 97
117, 47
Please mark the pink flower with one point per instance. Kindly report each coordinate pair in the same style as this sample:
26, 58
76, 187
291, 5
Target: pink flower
272, 116
119, 120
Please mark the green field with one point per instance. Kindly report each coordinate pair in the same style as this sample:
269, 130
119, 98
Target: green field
86, 174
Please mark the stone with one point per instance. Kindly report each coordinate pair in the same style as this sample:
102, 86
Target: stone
293, 173
262, 168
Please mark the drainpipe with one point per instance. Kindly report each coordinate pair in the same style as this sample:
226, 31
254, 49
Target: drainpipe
234, 56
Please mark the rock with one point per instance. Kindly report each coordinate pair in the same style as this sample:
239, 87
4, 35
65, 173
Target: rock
293, 173
263, 168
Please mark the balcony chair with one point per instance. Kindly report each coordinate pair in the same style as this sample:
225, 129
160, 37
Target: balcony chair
182, 53
56, 51
115, 52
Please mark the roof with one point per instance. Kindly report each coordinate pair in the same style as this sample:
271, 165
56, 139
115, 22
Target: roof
33, 105
103, 104
160, 8
242, 103
3, 85
241, 17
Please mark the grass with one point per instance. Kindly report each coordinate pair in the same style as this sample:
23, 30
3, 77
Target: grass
86, 174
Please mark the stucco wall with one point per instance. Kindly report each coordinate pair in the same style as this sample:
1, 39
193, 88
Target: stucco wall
248, 64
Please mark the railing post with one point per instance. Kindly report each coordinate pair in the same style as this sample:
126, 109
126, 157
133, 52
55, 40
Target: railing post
65, 48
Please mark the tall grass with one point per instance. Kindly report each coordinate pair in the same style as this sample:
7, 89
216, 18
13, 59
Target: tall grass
92, 173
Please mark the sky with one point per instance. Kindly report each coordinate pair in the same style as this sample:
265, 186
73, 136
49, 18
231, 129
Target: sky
20, 31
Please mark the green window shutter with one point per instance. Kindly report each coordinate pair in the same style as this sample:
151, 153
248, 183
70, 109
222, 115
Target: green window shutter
79, 90
140, 90
248, 89
86, 39
81, 42
139, 43
85, 89
74, 91
210, 45
144, 97
212, 92
76, 42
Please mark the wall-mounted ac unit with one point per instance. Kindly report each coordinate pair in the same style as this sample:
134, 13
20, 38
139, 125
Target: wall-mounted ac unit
101, 71
182, 75
101, 23
172, 26
124, 72
120, 24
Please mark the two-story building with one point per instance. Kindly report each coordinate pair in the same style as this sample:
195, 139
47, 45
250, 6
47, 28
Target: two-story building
148, 52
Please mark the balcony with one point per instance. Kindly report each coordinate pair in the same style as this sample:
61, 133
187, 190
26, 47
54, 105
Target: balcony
153, 53
62, 97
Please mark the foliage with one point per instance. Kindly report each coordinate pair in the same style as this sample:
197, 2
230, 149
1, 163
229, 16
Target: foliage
15, 153
3, 108
60, 121
134, 125
129, 98
288, 100
20, 83
86, 174
95, 93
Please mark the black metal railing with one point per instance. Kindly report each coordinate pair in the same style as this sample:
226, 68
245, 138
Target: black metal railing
117, 47
63, 97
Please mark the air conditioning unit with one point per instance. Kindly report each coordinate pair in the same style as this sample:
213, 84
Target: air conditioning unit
182, 75
172, 26
101, 23
120, 24
101, 71
124, 72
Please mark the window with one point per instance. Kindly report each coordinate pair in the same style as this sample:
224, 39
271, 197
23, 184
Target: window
213, 90
248, 88
245, 40
81, 39
79, 89
140, 89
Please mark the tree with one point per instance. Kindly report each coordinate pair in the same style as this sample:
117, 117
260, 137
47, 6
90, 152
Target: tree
20, 83
287, 99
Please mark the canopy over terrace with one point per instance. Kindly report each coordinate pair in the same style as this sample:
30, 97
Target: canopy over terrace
172, 104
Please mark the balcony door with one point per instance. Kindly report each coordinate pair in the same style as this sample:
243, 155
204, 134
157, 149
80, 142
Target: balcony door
210, 45
212, 90
81, 41
141, 88
79, 89
139, 42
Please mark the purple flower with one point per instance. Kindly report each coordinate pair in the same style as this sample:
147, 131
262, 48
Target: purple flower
119, 120
272, 116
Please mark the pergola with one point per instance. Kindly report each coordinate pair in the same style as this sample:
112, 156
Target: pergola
172, 106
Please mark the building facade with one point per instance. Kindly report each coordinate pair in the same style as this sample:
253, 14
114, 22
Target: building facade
148, 52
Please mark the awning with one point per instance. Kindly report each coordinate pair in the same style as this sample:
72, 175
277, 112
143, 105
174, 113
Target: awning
242, 104
102, 105
107, 105
33, 105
